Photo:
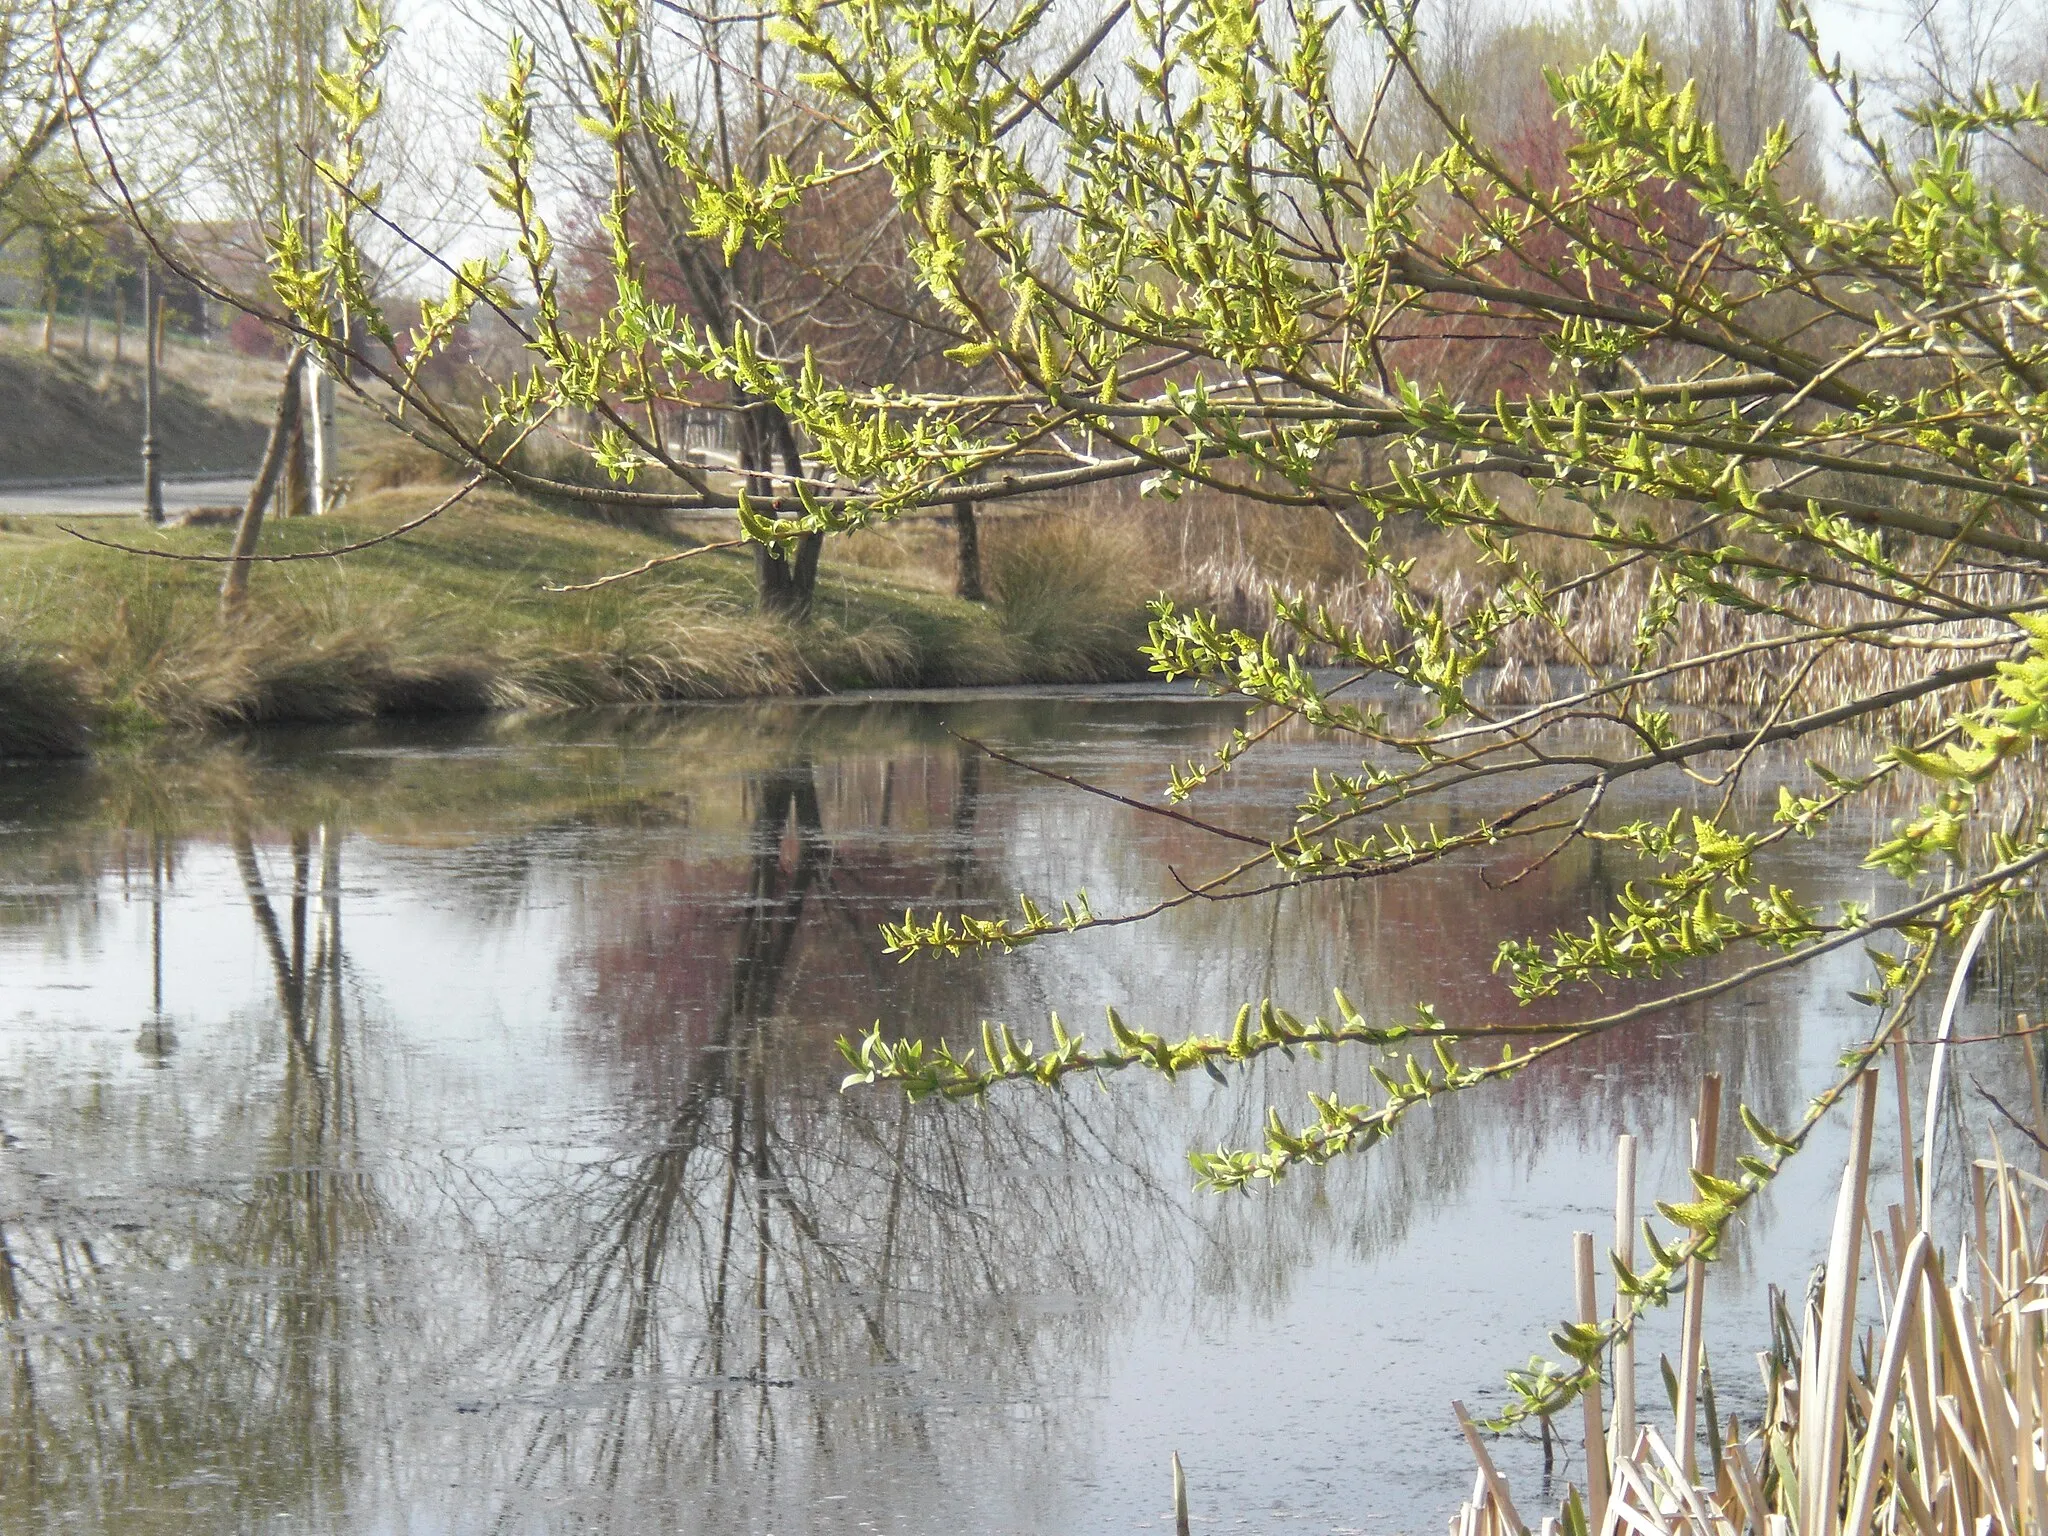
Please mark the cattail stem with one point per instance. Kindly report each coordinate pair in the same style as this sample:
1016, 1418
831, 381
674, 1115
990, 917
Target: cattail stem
1624, 1420
1823, 1419
1705, 1152
1596, 1432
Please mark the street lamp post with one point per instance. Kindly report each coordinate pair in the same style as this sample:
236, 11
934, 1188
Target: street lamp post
152, 480
158, 1039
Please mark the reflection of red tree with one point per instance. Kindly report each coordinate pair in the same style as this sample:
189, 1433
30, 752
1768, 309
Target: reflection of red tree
685, 952
681, 967
1432, 934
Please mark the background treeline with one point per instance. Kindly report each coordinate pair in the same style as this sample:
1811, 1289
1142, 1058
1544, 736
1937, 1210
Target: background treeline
196, 128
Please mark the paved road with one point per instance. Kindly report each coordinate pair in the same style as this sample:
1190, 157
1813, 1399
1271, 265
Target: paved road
180, 496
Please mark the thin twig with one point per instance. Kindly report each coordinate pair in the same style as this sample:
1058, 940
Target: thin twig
1109, 794
305, 554
644, 567
2017, 1124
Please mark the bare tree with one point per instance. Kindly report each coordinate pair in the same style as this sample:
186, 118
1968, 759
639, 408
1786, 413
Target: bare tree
724, 101
1751, 76
96, 41
250, 76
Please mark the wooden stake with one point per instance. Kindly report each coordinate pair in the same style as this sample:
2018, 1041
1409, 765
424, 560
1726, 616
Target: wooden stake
1624, 1420
1596, 1432
1706, 1147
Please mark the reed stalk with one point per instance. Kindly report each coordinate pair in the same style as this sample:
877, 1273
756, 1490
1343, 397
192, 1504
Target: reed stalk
1623, 1431
1938, 1431
1596, 1432
1706, 1140
1944, 1031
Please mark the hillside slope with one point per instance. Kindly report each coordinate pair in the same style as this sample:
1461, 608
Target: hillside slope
67, 419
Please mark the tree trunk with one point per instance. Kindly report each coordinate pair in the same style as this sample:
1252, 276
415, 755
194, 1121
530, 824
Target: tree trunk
49, 320
120, 319
808, 551
234, 586
967, 572
85, 332
786, 586
298, 501
319, 432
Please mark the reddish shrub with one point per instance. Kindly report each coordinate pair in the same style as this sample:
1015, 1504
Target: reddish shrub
252, 338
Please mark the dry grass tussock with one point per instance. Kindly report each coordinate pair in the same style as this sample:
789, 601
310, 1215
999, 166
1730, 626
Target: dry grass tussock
158, 654
1067, 591
162, 657
43, 711
1069, 594
96, 645
677, 647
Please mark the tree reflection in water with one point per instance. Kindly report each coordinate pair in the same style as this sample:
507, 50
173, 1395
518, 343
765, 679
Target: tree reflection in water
202, 1372
538, 1205
785, 1280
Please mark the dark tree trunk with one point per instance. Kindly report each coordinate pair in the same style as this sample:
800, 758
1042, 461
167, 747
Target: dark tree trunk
808, 551
786, 585
967, 574
298, 474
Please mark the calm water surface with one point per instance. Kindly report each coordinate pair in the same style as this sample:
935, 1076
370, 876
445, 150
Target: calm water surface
438, 1130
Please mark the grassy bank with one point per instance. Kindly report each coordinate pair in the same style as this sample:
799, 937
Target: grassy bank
98, 646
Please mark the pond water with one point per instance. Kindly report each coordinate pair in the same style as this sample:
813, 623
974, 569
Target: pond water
438, 1130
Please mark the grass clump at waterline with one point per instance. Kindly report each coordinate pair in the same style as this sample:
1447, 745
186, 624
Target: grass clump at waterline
97, 644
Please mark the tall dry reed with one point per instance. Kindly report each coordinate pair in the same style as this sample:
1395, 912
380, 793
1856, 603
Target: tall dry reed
1931, 1426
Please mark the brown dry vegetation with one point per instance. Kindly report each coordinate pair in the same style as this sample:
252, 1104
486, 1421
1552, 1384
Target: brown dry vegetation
1231, 558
